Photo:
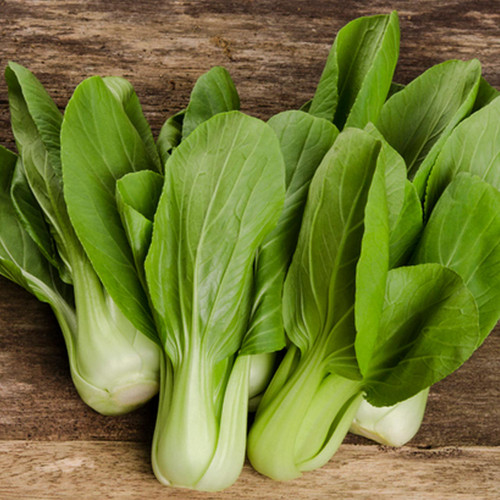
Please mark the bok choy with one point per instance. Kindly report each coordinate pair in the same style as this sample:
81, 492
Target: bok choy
223, 192
325, 279
342, 350
114, 367
474, 147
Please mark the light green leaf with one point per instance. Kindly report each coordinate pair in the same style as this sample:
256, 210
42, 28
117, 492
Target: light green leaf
463, 233
358, 72
474, 146
304, 140
223, 192
91, 167
417, 120
319, 289
214, 92
137, 196
429, 328
125, 93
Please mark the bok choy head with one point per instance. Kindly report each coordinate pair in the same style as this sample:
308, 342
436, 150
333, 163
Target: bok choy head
462, 232
358, 328
114, 367
223, 192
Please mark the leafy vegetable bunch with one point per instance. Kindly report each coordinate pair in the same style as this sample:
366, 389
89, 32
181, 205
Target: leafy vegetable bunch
324, 268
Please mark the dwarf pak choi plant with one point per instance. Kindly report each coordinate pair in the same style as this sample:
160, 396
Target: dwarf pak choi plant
474, 147
357, 327
114, 367
223, 192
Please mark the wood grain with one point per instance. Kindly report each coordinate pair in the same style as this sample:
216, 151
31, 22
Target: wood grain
275, 50
90, 470
51, 444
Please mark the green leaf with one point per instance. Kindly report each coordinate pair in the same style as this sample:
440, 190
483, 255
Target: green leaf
389, 233
319, 289
428, 329
223, 192
408, 228
31, 216
463, 233
417, 120
395, 176
36, 123
21, 260
372, 267
474, 146
306, 106
214, 92
485, 94
394, 89
33, 112
304, 141
137, 196
125, 93
91, 167
8, 161
170, 135
358, 71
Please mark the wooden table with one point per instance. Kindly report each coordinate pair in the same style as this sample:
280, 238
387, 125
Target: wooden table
51, 444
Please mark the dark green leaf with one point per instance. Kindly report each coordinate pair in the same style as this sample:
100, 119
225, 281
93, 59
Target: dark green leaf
429, 328
170, 135
36, 124
394, 89
31, 216
463, 233
485, 94
20, 258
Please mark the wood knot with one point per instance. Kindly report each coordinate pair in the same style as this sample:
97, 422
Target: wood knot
224, 45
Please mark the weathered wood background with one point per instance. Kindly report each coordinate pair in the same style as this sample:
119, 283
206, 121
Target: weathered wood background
51, 444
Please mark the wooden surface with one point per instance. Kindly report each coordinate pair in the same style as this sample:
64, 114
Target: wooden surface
93, 470
51, 445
